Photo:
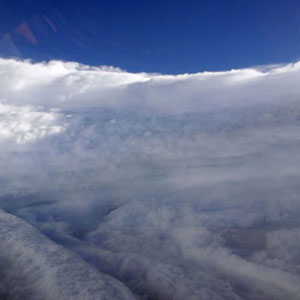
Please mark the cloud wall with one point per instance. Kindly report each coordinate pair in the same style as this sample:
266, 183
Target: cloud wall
157, 186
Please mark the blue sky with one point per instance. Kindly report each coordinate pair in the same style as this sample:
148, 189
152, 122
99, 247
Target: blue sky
159, 36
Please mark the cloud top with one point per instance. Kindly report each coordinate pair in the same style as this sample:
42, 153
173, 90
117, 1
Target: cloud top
65, 85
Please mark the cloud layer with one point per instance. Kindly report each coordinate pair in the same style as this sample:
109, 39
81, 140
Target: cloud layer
173, 187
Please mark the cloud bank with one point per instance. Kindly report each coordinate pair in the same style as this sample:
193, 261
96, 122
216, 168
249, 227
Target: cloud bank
146, 186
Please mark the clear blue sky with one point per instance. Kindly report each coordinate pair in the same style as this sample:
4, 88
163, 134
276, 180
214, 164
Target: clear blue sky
157, 36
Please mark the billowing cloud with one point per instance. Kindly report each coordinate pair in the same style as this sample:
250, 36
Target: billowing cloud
154, 186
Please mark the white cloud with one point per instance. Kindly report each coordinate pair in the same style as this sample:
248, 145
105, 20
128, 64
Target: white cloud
65, 85
181, 187
22, 124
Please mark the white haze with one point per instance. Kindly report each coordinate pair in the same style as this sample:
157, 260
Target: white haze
145, 186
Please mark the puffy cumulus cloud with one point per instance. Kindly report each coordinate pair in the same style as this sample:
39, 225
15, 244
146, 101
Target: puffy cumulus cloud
149, 186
